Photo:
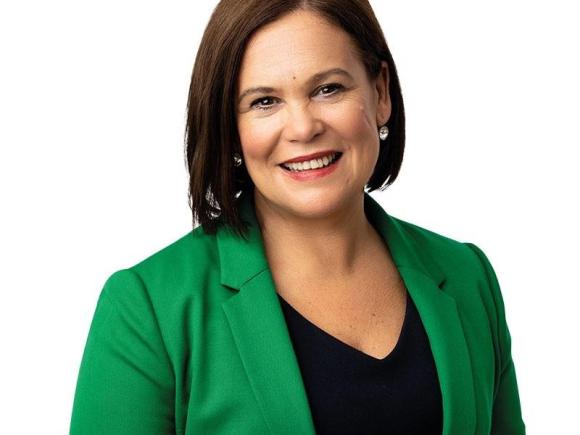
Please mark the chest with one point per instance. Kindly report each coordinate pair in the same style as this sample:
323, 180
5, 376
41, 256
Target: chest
366, 313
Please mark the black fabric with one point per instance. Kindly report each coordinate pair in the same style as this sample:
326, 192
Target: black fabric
350, 392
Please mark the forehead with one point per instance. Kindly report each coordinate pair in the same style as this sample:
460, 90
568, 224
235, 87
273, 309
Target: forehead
296, 45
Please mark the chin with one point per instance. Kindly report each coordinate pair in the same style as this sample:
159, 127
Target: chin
309, 203
315, 206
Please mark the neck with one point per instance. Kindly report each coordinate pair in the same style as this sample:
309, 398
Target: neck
319, 248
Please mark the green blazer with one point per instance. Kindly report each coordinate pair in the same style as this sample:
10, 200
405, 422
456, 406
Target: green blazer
193, 340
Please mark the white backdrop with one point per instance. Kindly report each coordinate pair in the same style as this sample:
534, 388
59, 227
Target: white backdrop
93, 179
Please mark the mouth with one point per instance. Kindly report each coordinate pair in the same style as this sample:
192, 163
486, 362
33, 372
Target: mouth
311, 165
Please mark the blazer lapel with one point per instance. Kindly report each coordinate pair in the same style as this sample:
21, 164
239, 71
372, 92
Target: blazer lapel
263, 342
260, 332
425, 282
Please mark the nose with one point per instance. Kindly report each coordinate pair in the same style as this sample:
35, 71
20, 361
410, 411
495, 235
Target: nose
302, 124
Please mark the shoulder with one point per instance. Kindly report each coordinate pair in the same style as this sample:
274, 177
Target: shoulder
463, 267
451, 255
194, 251
465, 273
171, 273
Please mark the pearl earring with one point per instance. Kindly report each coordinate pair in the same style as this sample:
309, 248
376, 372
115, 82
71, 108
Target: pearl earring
237, 160
383, 132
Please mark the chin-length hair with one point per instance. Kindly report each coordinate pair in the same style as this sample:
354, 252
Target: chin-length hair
211, 134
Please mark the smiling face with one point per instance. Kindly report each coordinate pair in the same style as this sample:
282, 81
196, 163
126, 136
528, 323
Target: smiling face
304, 90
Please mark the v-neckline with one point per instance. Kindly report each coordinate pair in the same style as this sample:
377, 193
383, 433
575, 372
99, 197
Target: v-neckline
343, 345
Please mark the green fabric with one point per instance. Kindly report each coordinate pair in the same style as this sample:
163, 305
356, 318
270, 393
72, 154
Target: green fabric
193, 340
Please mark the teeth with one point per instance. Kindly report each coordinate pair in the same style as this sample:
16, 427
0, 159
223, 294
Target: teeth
311, 164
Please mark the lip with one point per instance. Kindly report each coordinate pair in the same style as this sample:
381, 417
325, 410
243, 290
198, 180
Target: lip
310, 156
313, 174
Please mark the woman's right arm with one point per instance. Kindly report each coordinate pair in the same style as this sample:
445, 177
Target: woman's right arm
125, 383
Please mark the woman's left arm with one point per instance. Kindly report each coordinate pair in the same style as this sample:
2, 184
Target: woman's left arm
507, 414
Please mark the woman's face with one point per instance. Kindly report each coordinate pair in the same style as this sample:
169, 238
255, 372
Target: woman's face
314, 97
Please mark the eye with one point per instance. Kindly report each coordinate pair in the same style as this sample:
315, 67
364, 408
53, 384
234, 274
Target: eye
261, 106
262, 102
337, 87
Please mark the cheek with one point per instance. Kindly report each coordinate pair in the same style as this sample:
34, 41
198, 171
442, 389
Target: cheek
256, 139
356, 126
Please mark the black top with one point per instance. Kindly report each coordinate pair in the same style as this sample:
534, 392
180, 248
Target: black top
350, 392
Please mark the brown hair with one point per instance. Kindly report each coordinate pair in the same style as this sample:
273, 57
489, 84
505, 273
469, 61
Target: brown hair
211, 134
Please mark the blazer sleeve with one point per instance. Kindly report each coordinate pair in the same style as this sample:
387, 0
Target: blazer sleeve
125, 382
506, 414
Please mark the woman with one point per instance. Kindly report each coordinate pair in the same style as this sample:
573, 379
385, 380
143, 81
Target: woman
298, 305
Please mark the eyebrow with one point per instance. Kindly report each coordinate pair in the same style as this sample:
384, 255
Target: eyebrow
315, 78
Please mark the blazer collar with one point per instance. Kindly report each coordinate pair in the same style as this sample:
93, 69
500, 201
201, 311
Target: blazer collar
241, 259
258, 324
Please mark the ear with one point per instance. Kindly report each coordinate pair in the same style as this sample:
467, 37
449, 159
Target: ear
383, 97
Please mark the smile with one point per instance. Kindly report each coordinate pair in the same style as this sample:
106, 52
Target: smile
313, 169
313, 164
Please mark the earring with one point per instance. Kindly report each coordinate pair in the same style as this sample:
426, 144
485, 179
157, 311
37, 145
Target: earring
237, 160
383, 132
